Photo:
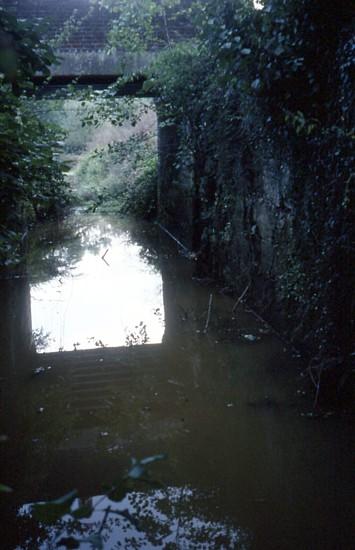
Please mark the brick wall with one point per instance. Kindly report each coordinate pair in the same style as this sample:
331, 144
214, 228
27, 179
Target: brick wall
93, 23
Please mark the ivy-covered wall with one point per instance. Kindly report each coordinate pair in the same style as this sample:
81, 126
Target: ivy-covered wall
261, 189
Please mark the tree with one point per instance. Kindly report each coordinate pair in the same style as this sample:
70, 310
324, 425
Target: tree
32, 181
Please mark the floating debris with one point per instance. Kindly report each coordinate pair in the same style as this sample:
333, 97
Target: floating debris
175, 382
310, 415
38, 371
250, 337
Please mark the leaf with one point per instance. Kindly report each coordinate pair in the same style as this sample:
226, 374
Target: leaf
68, 498
256, 84
148, 85
154, 458
118, 493
139, 466
84, 511
136, 472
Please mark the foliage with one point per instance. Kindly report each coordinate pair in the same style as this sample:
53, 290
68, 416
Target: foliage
121, 176
272, 81
110, 143
143, 24
32, 182
73, 509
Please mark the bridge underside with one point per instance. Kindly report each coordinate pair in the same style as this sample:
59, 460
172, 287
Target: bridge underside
83, 57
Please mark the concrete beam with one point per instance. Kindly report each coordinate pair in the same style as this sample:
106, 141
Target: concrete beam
100, 62
59, 85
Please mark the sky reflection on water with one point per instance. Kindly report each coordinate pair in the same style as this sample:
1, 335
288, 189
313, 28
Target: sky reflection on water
102, 300
173, 517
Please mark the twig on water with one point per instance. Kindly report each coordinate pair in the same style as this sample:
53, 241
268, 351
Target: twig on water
241, 297
103, 257
208, 318
187, 252
316, 381
286, 342
104, 519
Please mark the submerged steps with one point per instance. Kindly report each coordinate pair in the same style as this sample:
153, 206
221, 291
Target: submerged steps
91, 377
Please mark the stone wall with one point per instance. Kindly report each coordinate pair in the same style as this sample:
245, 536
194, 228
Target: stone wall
249, 213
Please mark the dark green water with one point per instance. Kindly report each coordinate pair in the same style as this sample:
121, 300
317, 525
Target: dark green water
136, 376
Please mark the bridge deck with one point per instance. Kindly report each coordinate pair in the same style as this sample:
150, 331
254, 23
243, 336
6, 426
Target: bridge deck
78, 31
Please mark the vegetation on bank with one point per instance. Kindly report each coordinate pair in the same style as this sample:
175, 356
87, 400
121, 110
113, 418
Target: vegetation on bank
32, 176
50, 155
113, 159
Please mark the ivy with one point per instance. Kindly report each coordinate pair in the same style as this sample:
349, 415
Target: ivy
32, 181
273, 79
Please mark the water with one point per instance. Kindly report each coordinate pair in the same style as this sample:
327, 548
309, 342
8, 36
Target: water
80, 309
138, 377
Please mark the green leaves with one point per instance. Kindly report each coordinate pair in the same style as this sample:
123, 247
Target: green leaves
23, 53
31, 175
141, 25
84, 511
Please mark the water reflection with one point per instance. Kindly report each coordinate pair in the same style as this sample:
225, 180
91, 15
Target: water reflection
110, 296
224, 409
175, 517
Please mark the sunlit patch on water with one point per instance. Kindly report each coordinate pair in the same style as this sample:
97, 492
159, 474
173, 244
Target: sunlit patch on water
164, 518
111, 297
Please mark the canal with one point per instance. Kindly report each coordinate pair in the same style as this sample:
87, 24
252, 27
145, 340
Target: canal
163, 416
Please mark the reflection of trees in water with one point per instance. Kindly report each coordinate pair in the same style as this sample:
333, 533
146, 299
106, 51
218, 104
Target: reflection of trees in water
40, 339
174, 517
138, 336
55, 247
139, 233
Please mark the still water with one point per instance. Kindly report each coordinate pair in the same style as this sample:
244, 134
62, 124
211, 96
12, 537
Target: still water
81, 309
124, 369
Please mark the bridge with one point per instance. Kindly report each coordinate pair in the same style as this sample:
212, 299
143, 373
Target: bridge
78, 31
